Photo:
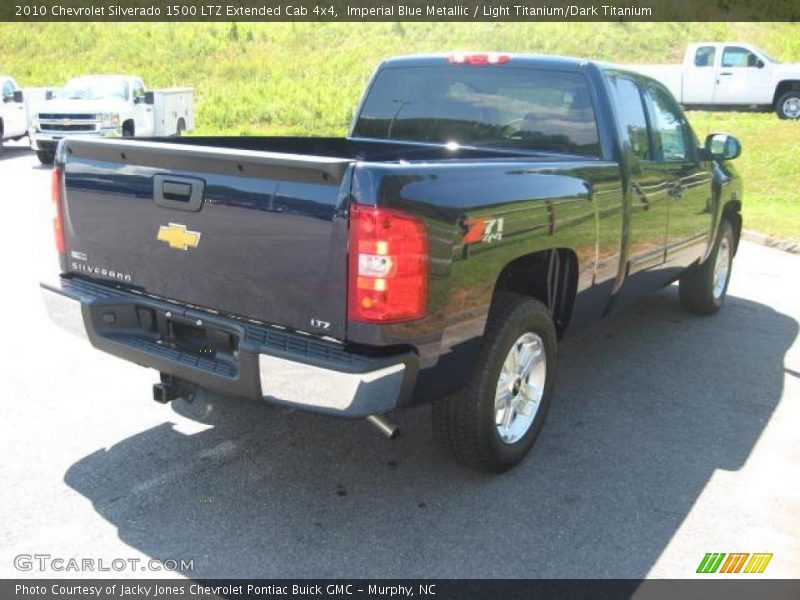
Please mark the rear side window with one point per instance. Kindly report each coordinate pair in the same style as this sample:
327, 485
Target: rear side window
503, 107
704, 57
630, 110
672, 134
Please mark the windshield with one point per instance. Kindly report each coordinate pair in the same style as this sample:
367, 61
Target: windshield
503, 107
94, 88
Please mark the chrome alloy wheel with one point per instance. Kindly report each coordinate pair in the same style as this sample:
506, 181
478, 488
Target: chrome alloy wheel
520, 388
722, 267
791, 107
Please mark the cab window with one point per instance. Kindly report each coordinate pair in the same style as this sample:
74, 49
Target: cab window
704, 57
739, 57
8, 89
671, 130
138, 89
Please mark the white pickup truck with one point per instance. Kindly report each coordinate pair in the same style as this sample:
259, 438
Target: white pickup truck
110, 106
13, 111
731, 75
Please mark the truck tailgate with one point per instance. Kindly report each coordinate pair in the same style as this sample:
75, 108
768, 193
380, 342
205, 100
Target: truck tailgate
255, 234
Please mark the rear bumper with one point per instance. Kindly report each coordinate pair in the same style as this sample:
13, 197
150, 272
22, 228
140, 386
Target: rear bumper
269, 364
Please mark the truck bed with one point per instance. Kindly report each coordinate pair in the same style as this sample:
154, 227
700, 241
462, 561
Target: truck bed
248, 226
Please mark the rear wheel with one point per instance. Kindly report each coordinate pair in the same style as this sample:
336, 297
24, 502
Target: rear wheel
788, 105
494, 421
703, 288
180, 128
1, 142
46, 157
128, 129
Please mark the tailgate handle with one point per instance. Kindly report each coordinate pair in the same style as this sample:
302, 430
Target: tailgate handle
179, 193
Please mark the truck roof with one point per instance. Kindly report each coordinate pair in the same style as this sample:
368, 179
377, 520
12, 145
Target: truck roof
564, 63
102, 75
545, 60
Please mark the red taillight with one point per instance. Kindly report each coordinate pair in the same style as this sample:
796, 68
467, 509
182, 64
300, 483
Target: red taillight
388, 271
478, 59
57, 187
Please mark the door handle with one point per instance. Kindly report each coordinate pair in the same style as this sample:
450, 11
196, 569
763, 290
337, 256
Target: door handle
179, 193
726, 73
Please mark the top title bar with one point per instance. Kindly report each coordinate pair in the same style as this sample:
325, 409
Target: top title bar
410, 10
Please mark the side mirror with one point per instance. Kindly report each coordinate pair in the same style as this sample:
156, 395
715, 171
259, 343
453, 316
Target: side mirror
149, 98
18, 96
49, 95
759, 63
721, 146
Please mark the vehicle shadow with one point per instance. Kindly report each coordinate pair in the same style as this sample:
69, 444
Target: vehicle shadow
15, 151
649, 404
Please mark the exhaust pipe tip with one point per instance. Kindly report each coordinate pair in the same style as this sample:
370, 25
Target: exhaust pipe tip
385, 426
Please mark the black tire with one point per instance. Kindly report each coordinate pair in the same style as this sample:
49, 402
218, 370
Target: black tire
128, 129
465, 422
180, 128
784, 102
46, 157
697, 287
1, 142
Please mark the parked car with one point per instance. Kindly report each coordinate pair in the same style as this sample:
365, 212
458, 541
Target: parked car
731, 75
110, 106
483, 206
13, 116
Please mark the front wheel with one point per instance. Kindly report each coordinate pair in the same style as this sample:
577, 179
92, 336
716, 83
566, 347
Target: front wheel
46, 157
702, 288
788, 105
494, 421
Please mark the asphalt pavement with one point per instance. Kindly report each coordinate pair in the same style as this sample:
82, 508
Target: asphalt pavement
671, 436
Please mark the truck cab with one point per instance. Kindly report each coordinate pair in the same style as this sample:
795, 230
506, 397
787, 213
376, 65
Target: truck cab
13, 113
109, 106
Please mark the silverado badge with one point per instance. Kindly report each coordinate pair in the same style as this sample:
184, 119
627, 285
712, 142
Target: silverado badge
178, 237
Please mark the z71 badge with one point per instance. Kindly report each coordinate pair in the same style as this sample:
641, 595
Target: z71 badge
484, 229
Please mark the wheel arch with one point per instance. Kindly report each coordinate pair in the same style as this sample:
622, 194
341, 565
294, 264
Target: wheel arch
787, 85
550, 276
732, 211
130, 125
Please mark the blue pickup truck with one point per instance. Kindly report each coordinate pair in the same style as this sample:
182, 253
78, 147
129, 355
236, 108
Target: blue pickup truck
482, 207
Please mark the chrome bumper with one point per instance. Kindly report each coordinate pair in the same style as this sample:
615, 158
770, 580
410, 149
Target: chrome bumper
275, 366
41, 140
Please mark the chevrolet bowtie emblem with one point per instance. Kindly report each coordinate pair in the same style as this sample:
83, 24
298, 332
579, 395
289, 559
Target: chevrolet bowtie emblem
178, 237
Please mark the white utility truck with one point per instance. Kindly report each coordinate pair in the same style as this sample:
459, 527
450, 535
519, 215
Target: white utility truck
731, 75
13, 111
110, 106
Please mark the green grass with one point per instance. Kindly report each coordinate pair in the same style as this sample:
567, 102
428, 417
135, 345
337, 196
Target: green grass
306, 78
768, 167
